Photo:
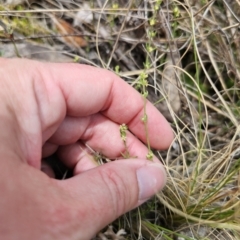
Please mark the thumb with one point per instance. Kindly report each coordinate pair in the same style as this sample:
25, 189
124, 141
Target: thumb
102, 194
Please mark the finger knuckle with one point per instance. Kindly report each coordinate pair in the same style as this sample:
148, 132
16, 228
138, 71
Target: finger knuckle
118, 190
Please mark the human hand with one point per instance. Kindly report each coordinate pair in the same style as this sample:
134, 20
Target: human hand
48, 107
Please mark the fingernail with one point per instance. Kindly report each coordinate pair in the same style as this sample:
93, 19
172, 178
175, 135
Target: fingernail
151, 179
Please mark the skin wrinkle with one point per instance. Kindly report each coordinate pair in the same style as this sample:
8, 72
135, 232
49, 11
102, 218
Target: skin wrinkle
118, 197
34, 142
128, 123
87, 128
97, 206
49, 97
23, 140
109, 97
88, 134
64, 93
125, 107
93, 131
6, 110
68, 94
67, 127
36, 94
31, 126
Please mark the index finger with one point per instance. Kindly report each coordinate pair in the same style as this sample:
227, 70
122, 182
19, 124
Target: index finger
88, 90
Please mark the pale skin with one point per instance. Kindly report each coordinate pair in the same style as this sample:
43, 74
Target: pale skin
49, 107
